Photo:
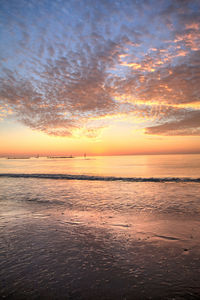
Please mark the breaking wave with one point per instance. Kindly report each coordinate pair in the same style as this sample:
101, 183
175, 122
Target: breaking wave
101, 178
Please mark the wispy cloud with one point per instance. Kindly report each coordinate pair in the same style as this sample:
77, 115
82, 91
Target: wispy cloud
188, 125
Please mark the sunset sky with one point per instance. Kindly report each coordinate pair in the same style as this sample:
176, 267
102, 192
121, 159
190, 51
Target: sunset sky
101, 77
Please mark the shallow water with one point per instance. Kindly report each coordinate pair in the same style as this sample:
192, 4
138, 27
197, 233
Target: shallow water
93, 239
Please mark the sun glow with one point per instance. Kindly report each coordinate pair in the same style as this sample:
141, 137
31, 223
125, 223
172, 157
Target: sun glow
100, 78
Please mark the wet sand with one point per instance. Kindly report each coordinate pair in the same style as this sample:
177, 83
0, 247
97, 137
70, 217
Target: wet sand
63, 254
99, 240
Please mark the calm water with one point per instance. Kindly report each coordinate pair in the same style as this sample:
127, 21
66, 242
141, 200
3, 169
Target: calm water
100, 239
126, 166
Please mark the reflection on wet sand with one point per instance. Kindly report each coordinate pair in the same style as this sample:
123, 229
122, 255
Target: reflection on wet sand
137, 227
90, 255
85, 240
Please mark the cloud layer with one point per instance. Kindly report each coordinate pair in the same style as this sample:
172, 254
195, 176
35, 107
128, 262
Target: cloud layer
63, 65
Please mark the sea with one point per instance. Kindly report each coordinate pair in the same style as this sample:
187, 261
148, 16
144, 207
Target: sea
104, 227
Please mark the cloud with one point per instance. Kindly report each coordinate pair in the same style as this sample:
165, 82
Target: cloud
189, 125
63, 66
67, 91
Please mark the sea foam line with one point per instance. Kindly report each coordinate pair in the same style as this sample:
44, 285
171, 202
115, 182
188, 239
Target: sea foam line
101, 178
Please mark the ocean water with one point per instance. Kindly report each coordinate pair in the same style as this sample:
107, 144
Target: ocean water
121, 227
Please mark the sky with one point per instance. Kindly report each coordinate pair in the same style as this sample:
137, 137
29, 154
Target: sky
99, 77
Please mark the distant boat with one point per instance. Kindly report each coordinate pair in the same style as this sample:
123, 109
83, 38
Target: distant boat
60, 156
18, 157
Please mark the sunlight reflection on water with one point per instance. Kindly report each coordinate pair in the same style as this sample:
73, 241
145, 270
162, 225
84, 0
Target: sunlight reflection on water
127, 166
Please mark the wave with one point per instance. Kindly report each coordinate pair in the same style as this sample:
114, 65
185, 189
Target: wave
101, 178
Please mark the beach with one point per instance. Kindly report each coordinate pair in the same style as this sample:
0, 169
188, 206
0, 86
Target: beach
99, 150
100, 239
